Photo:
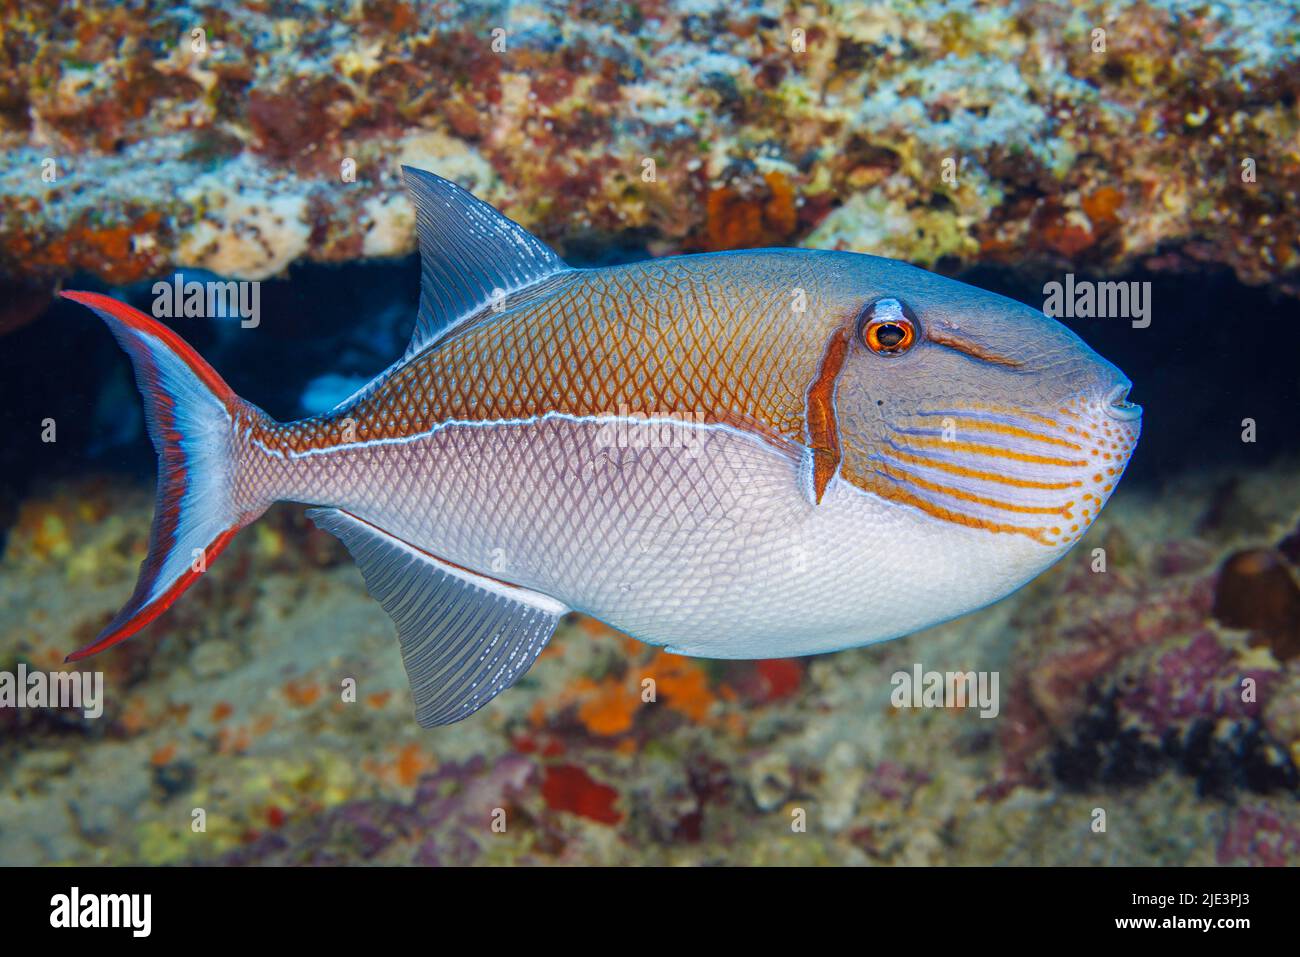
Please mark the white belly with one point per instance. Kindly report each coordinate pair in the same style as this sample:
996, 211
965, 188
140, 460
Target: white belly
704, 542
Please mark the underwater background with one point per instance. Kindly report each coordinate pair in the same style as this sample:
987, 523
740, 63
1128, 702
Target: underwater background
1006, 144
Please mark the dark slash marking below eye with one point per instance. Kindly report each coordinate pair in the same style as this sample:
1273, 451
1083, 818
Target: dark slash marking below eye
972, 350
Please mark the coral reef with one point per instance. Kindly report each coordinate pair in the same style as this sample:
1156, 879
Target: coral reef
240, 139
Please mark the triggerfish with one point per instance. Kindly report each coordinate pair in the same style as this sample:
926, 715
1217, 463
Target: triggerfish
755, 454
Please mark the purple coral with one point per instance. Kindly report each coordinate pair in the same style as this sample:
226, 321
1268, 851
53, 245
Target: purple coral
1259, 835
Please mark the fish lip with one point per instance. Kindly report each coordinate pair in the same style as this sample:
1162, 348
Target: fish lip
1117, 406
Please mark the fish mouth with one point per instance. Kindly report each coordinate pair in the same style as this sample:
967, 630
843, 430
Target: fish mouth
1117, 406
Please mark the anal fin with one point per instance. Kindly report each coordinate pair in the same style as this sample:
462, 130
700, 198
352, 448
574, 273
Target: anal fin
465, 638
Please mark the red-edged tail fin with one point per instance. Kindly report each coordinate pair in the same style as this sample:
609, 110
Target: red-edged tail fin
191, 414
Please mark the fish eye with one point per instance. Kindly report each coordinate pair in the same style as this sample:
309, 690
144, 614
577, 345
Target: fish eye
887, 327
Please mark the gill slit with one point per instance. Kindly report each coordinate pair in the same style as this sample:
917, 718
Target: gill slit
821, 424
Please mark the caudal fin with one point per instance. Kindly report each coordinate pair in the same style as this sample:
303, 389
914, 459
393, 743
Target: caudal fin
192, 417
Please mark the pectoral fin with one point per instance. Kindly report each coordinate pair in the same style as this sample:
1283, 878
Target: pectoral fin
465, 638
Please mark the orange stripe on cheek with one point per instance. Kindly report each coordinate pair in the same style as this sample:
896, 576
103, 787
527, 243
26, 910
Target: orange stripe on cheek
904, 475
976, 474
886, 490
991, 451
998, 428
999, 410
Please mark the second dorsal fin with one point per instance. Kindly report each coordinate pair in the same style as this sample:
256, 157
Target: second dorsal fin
468, 250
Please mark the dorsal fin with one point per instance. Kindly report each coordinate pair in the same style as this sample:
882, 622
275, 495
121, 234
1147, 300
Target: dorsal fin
468, 250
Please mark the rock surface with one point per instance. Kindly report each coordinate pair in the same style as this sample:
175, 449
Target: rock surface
142, 138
